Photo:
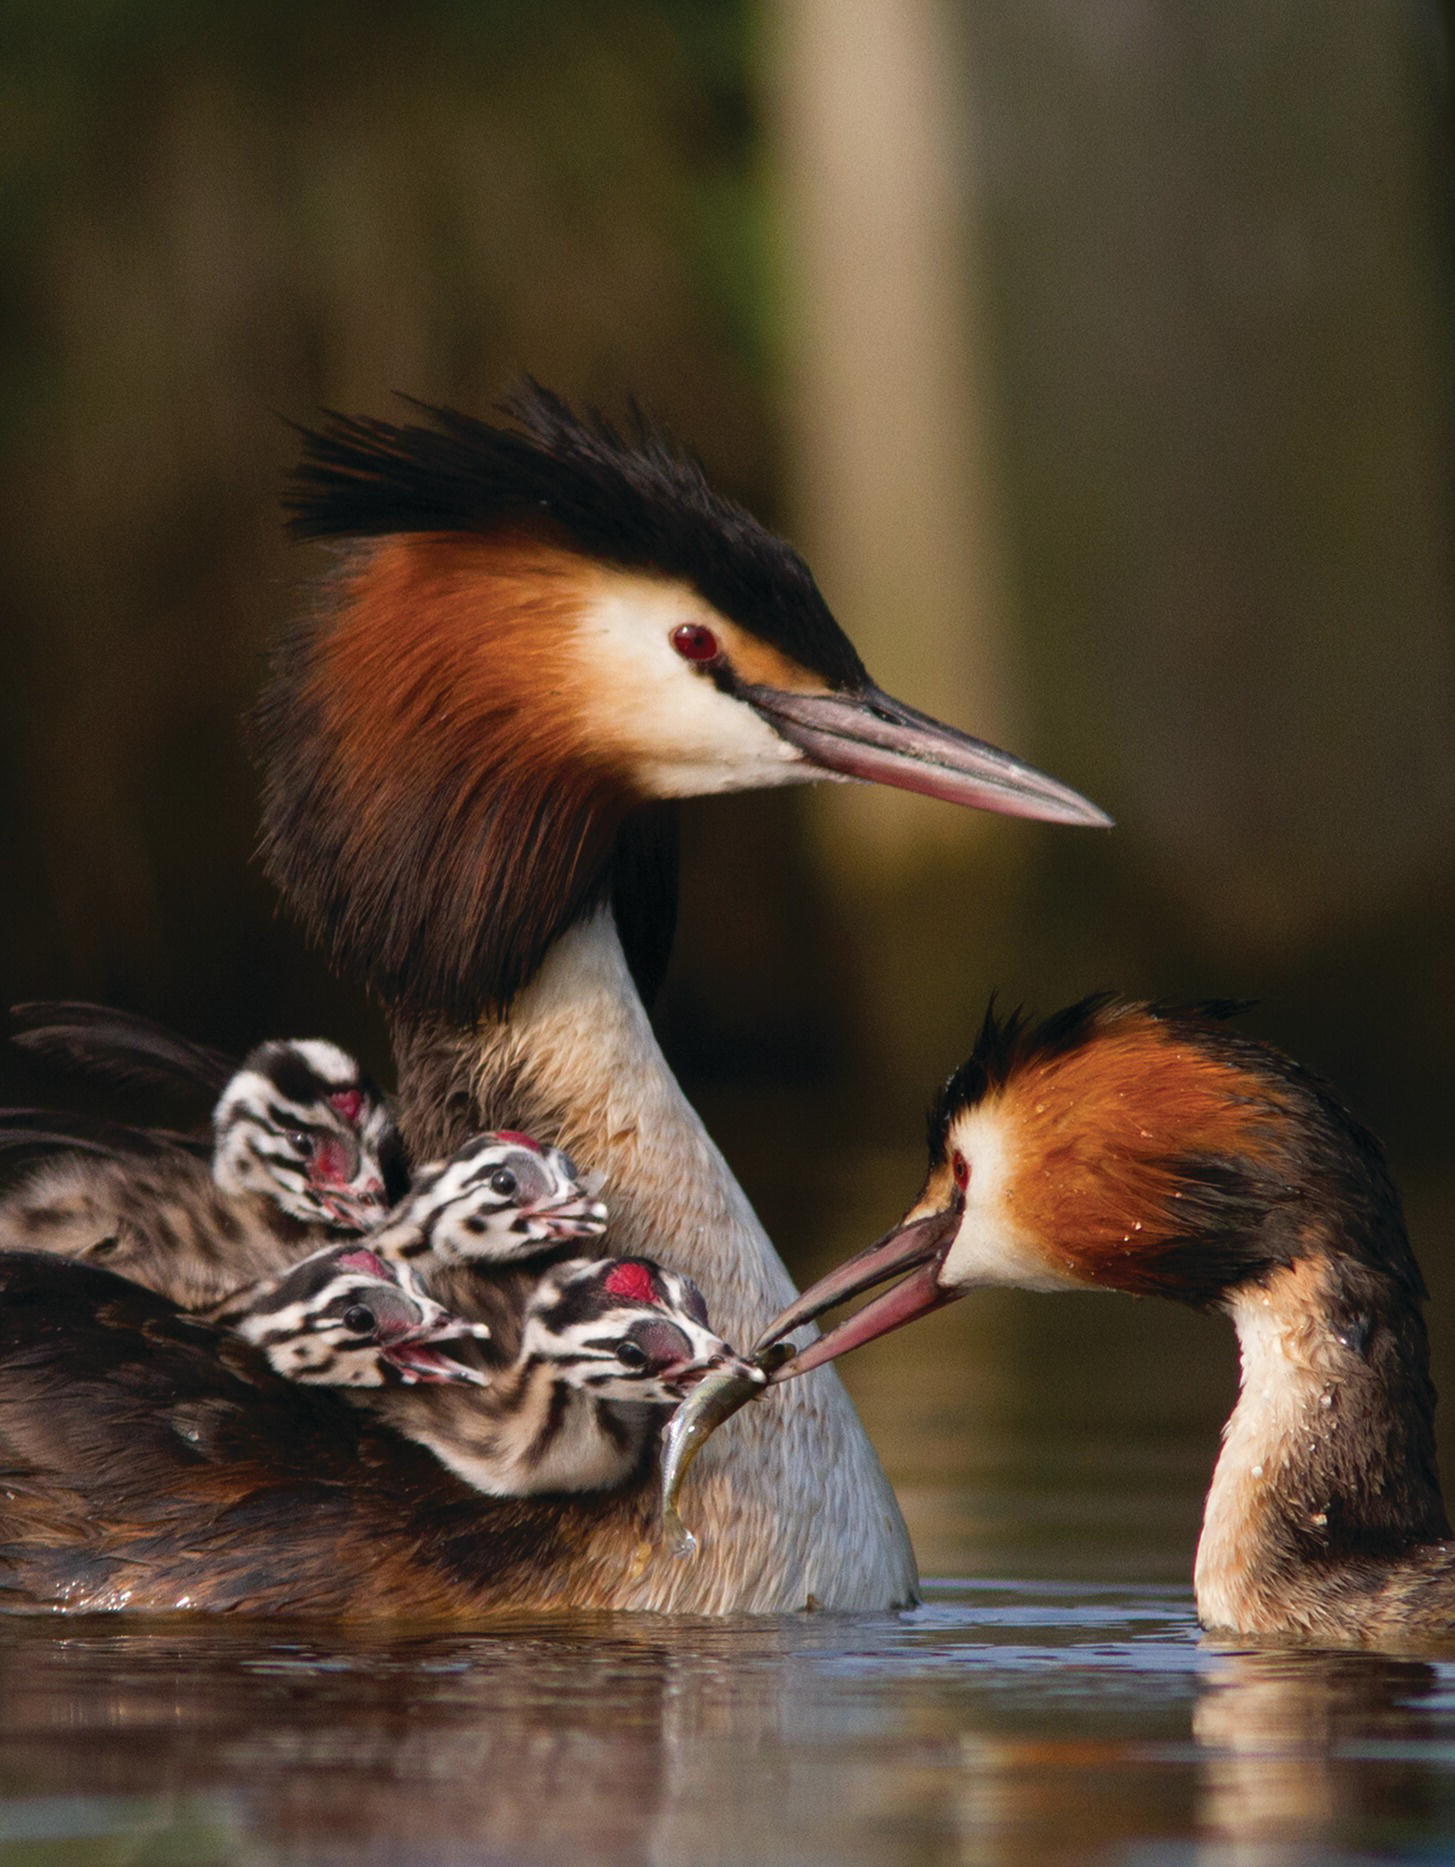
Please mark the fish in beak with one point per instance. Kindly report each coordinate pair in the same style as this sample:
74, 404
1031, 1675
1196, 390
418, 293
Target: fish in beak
914, 1252
869, 735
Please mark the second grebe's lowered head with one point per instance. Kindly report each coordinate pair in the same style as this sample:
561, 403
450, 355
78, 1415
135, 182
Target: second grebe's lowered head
300, 1124
1132, 1147
544, 625
499, 1199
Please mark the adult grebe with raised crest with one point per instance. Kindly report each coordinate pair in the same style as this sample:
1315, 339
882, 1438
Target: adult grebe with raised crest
542, 633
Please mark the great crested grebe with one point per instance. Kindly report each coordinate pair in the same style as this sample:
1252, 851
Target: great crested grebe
1134, 1147
303, 1148
543, 632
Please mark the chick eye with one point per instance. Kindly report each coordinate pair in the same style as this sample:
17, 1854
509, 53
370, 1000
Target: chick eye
630, 1355
504, 1182
961, 1168
694, 642
360, 1320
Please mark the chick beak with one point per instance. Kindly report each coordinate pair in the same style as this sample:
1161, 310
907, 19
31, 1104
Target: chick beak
918, 1247
872, 736
354, 1212
419, 1362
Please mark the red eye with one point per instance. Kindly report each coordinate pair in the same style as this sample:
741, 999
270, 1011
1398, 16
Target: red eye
961, 1168
694, 642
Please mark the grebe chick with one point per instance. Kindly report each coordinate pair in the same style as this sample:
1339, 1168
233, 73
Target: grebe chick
303, 1148
1133, 1147
345, 1318
301, 1124
606, 1344
297, 1121
499, 1199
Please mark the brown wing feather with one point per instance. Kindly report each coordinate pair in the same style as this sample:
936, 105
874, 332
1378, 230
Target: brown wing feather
120, 1046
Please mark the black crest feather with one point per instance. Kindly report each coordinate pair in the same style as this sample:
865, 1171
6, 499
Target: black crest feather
629, 497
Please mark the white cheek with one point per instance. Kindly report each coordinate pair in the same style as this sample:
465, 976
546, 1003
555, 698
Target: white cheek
683, 737
991, 1247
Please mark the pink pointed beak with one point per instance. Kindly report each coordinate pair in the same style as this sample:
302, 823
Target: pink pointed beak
569, 1218
917, 1247
872, 736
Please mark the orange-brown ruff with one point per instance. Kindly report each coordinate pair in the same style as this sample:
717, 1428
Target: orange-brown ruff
1155, 1151
440, 734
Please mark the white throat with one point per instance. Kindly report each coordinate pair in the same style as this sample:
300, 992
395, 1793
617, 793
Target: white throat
539, 1438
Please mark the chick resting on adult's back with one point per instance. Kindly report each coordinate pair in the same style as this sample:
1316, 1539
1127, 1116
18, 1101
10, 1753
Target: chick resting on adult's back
303, 1148
605, 1347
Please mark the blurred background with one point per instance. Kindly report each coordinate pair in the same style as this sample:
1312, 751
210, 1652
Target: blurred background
1097, 352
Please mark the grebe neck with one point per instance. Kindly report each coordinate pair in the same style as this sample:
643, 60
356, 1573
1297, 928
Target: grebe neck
575, 1061
790, 1502
1328, 1462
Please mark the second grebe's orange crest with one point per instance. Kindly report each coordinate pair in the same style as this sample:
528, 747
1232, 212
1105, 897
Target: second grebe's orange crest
1082, 1148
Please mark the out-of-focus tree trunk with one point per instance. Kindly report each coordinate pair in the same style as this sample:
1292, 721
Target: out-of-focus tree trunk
890, 482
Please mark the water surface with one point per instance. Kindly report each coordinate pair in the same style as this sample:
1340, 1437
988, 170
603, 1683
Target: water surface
1001, 1722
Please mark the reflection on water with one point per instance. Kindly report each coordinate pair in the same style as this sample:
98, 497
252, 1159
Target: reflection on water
997, 1724
1312, 1747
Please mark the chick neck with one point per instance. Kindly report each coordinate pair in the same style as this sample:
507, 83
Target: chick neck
530, 1433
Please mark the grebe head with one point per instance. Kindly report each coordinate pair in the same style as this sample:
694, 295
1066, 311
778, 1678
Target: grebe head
1118, 1146
623, 1329
300, 1124
543, 626
345, 1318
501, 1198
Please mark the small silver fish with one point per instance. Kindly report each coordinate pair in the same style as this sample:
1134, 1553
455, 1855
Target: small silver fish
716, 1397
